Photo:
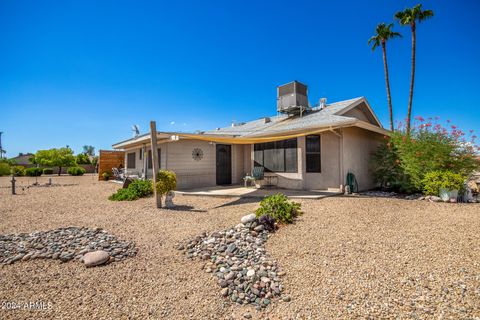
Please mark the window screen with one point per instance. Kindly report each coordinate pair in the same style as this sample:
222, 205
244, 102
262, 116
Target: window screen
150, 160
278, 156
131, 160
313, 154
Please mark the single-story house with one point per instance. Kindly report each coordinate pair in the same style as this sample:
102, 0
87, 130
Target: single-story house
302, 147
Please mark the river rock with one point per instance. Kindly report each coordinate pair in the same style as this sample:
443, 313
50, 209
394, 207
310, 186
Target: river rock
95, 258
248, 218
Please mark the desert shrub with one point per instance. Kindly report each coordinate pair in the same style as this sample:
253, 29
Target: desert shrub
7, 161
124, 195
135, 190
47, 171
279, 208
142, 188
386, 169
403, 160
18, 170
4, 169
435, 180
76, 171
166, 181
34, 172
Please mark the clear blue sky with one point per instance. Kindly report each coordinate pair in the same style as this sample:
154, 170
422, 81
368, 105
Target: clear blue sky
82, 72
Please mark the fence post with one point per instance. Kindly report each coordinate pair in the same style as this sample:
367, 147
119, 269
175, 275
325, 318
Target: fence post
155, 166
13, 184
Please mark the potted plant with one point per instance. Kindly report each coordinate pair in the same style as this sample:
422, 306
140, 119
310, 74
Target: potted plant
106, 175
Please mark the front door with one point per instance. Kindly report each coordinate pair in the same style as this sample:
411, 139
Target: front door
224, 164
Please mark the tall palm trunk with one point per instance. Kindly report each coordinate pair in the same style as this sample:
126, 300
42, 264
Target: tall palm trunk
387, 80
412, 80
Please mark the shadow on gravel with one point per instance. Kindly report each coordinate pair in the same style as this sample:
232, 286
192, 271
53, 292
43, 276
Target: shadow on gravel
239, 202
185, 208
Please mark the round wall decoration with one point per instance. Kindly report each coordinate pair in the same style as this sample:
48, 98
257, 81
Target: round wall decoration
197, 154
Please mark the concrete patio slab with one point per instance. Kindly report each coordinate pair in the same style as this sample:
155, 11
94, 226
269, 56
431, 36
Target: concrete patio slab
242, 192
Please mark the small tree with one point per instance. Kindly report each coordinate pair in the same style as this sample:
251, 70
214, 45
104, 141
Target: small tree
62, 157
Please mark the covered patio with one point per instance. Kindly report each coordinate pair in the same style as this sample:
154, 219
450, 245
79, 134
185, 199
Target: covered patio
243, 192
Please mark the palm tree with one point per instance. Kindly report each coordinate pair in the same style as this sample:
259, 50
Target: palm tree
383, 33
410, 16
89, 150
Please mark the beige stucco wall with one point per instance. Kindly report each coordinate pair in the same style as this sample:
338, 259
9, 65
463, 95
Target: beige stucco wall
238, 168
329, 177
176, 156
358, 146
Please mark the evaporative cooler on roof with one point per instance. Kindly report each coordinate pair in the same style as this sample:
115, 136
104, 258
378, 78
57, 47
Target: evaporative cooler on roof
292, 98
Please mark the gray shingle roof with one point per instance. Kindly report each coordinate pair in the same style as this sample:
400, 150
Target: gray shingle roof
281, 123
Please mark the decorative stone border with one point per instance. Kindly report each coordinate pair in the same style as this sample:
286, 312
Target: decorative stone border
63, 244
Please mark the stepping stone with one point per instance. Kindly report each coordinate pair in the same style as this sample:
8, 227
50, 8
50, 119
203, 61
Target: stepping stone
95, 258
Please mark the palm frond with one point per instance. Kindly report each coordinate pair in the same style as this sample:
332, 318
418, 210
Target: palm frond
424, 15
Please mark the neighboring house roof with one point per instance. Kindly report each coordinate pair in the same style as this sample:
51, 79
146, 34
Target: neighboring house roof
282, 126
22, 159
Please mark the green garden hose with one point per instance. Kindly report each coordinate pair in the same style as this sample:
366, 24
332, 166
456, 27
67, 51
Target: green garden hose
352, 182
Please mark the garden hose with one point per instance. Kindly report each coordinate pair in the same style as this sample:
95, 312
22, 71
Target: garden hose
352, 182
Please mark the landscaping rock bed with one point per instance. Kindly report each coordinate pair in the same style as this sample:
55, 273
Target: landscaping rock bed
63, 244
238, 259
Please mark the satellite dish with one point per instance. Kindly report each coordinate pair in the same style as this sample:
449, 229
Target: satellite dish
136, 130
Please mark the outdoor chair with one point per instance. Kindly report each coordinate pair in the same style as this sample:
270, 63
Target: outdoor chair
256, 178
118, 175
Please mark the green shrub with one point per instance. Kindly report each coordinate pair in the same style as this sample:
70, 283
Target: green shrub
76, 171
47, 171
435, 180
142, 188
135, 190
18, 170
106, 175
279, 208
4, 169
166, 181
34, 172
124, 195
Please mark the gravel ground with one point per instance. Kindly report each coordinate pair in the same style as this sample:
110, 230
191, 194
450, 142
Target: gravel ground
345, 258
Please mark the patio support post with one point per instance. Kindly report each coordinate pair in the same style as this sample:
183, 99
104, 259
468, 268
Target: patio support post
153, 140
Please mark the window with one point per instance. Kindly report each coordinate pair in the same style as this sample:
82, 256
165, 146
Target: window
131, 160
278, 156
313, 155
149, 165
141, 154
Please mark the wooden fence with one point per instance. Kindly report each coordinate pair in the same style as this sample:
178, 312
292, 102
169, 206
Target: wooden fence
110, 159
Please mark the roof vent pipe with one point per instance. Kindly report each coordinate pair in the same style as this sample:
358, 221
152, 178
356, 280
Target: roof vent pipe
323, 103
